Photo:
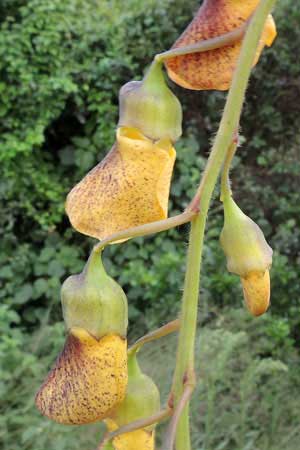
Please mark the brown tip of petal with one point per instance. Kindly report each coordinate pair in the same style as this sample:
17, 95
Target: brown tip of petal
256, 287
136, 440
214, 69
88, 380
130, 187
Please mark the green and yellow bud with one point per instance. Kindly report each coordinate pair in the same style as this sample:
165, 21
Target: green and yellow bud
89, 378
151, 107
142, 400
248, 255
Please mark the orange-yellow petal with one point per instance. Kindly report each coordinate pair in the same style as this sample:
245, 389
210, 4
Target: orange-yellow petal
130, 187
142, 439
256, 287
214, 69
136, 440
88, 380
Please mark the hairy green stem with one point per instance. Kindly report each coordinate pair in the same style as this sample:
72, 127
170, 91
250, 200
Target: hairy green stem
225, 180
228, 125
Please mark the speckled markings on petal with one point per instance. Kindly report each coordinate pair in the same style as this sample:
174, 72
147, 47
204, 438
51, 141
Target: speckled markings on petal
88, 380
214, 69
130, 187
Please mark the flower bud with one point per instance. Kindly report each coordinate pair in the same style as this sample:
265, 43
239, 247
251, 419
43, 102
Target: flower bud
243, 242
141, 401
151, 107
92, 300
130, 187
248, 255
89, 378
214, 69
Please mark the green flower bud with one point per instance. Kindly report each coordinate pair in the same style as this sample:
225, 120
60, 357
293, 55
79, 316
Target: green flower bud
243, 242
151, 107
142, 397
141, 401
94, 301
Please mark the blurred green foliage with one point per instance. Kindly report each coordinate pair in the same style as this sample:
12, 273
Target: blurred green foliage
61, 66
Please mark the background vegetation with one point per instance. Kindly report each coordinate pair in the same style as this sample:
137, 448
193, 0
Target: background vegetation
61, 66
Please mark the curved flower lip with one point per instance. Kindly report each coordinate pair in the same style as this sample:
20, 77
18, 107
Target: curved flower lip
130, 187
88, 380
256, 288
214, 69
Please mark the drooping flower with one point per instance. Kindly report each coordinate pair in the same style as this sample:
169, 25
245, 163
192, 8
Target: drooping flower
248, 255
89, 378
130, 187
214, 69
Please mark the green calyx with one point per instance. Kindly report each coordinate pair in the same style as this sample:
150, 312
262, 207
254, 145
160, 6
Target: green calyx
151, 107
243, 242
94, 301
142, 397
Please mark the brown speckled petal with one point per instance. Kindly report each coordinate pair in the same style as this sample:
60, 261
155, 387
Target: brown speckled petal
130, 187
88, 380
214, 69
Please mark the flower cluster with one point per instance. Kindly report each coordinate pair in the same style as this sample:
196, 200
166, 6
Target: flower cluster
96, 378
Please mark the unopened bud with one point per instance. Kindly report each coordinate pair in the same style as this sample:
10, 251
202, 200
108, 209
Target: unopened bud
243, 242
151, 107
142, 400
248, 255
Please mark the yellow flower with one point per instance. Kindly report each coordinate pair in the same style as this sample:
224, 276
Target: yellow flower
214, 69
88, 380
130, 187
